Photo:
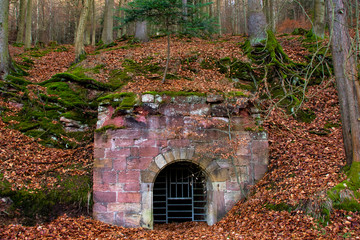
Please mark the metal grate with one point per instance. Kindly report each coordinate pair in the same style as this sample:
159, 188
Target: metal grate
180, 194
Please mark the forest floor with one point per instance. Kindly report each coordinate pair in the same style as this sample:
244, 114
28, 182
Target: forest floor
306, 159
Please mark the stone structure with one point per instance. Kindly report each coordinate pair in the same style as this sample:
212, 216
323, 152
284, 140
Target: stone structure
135, 142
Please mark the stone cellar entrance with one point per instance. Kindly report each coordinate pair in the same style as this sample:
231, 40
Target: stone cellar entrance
169, 158
180, 194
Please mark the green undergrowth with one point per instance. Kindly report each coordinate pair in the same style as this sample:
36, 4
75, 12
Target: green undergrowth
175, 94
133, 68
346, 195
43, 104
69, 193
120, 101
107, 127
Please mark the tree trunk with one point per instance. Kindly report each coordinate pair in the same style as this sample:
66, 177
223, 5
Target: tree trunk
141, 31
21, 23
346, 79
5, 60
79, 38
107, 34
28, 25
270, 14
93, 35
319, 19
218, 7
167, 58
256, 22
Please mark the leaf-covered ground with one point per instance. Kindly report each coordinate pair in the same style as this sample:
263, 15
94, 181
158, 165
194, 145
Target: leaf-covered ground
305, 158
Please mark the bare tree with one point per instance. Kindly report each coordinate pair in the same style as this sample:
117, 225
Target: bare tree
28, 24
5, 60
79, 37
319, 18
141, 31
107, 34
346, 79
21, 22
256, 22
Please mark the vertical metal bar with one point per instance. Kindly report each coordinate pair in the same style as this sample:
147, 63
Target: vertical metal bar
192, 198
166, 196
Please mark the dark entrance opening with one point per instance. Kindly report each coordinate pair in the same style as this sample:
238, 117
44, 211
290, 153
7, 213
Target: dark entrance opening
180, 194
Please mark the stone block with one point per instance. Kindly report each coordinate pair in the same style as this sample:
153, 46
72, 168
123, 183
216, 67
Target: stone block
172, 110
129, 176
153, 167
101, 140
132, 163
97, 176
169, 157
144, 162
104, 163
99, 153
147, 176
100, 207
128, 197
160, 161
148, 151
108, 217
101, 187
199, 109
147, 98
132, 186
214, 98
104, 197
117, 153
144, 142
119, 163
126, 133
109, 177
220, 174
119, 219
260, 146
260, 170
122, 207
233, 186
132, 219
156, 122
120, 142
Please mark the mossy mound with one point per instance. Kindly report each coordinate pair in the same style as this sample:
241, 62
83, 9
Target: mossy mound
72, 192
43, 104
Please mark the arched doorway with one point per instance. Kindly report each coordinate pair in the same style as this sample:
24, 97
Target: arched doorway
180, 194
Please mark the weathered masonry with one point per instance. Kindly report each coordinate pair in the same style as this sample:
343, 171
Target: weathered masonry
172, 157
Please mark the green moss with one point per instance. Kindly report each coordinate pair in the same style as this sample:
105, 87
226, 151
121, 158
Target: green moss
236, 94
103, 46
72, 191
300, 31
306, 116
248, 87
346, 194
120, 101
329, 125
61, 49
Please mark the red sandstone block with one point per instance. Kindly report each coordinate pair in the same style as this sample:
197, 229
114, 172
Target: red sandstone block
132, 186
119, 142
132, 163
102, 142
99, 153
119, 219
109, 177
97, 176
104, 197
260, 146
129, 176
148, 151
144, 142
100, 207
119, 163
127, 133
128, 197
144, 162
109, 153
101, 187
134, 152
105, 217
